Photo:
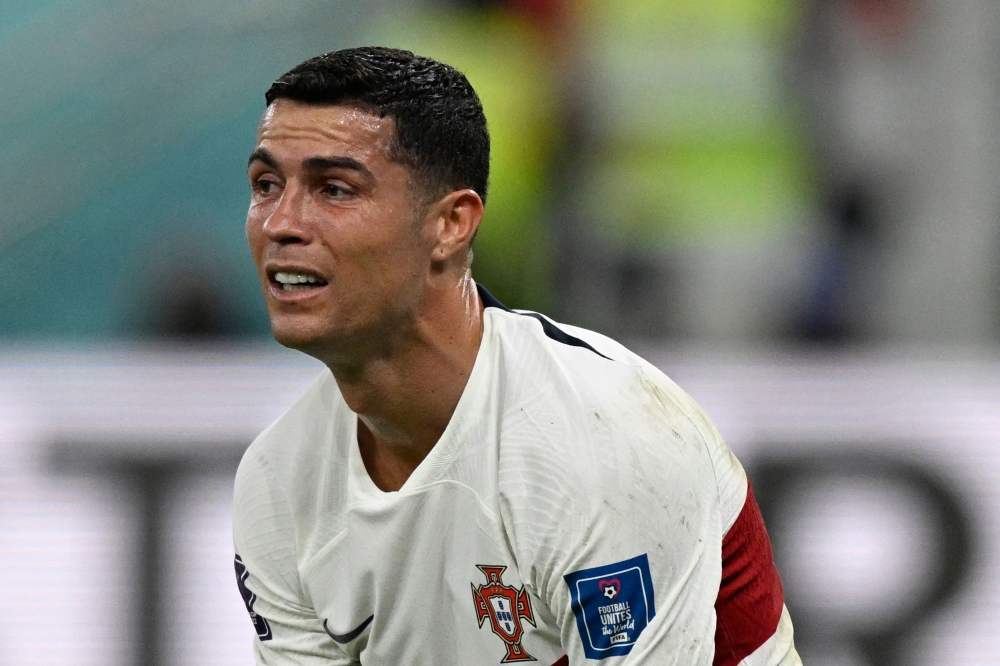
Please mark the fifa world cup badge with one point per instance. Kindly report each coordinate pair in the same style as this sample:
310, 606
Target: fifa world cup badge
613, 604
249, 598
505, 606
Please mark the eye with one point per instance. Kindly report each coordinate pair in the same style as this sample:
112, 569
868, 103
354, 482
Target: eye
336, 190
264, 185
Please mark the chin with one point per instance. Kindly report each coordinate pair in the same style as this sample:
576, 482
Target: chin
311, 338
325, 337
297, 335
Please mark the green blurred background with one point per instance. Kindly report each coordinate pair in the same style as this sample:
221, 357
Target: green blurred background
734, 172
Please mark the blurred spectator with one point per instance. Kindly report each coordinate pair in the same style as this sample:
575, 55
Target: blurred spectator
502, 49
697, 185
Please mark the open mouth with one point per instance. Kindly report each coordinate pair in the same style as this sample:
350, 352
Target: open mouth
297, 281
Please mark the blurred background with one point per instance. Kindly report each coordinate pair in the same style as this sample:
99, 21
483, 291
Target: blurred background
790, 206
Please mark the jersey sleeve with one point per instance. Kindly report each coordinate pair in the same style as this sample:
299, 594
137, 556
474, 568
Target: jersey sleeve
623, 537
753, 627
287, 628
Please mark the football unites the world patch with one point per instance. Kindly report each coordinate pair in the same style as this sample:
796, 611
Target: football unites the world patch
505, 606
260, 624
612, 604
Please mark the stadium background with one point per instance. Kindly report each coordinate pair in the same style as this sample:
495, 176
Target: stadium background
791, 206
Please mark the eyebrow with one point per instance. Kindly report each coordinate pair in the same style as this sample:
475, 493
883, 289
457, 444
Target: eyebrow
338, 162
314, 164
262, 155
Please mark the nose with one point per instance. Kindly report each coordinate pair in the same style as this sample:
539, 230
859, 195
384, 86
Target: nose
287, 222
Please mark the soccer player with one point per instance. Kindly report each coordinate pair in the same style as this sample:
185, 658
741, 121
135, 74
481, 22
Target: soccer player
465, 484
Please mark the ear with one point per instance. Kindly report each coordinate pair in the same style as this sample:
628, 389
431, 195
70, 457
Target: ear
458, 215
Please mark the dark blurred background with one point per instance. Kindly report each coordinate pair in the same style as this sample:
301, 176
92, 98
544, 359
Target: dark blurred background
791, 206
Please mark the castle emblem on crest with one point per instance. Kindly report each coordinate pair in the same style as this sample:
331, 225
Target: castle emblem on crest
505, 606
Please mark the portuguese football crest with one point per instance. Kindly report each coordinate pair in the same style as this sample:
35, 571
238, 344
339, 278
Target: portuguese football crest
505, 606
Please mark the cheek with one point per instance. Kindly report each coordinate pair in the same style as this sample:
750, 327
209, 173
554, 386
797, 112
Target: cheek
255, 234
398, 256
374, 244
257, 243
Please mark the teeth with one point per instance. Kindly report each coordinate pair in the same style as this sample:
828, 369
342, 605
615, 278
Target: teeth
291, 281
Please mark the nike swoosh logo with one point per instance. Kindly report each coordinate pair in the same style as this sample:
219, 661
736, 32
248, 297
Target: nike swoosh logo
350, 635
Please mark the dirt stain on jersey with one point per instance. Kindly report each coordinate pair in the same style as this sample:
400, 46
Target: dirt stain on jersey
665, 408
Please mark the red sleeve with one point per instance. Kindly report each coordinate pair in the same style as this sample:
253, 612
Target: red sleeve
750, 599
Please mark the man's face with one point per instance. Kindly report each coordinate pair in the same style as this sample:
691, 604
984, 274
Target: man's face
333, 227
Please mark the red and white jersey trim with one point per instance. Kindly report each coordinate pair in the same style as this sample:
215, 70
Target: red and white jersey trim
778, 649
752, 624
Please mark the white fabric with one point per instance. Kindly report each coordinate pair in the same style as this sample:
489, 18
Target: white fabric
555, 460
778, 649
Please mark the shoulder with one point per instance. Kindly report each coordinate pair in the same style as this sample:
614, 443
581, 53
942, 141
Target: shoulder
268, 464
603, 459
561, 376
306, 430
590, 424
301, 453
555, 372
311, 415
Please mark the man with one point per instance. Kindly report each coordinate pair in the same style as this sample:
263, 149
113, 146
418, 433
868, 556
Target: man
466, 484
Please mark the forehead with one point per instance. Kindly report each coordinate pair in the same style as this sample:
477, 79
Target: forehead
294, 129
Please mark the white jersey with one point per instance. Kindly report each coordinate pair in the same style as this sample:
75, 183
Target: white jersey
578, 508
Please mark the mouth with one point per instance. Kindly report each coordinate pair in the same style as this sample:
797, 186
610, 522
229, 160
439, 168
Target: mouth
289, 281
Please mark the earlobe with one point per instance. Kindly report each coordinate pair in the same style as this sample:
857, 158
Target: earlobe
460, 213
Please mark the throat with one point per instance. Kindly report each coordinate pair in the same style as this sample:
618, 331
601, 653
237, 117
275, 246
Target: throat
389, 466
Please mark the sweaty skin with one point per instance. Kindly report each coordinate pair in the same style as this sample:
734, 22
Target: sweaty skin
393, 312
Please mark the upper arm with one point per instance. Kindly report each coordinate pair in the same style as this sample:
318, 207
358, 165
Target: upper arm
622, 536
644, 589
752, 621
287, 627
621, 541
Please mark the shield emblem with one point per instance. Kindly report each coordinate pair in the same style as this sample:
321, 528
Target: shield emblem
505, 606
503, 613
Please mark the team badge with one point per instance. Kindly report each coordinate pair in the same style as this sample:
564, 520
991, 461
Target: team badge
505, 606
612, 604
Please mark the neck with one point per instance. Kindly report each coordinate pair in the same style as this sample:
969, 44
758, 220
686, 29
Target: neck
405, 394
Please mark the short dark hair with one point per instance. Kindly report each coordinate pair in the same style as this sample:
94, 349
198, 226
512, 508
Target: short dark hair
441, 132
